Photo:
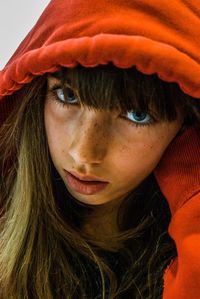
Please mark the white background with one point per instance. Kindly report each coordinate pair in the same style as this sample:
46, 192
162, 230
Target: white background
17, 17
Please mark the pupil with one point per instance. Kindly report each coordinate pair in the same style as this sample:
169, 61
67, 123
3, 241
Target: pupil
139, 115
70, 94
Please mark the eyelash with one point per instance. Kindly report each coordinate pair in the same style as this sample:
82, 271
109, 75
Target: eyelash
53, 93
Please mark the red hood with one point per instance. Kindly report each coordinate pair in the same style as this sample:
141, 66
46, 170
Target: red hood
158, 36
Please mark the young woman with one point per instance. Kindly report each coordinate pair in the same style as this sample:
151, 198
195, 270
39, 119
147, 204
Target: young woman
99, 153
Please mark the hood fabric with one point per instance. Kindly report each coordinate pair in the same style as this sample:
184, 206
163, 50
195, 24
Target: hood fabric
157, 36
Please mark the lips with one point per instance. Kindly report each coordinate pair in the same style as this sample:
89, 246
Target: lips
84, 187
88, 178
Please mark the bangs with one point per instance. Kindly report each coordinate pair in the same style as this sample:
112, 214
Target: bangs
107, 87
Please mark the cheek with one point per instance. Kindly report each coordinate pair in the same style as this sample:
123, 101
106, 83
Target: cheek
55, 130
152, 150
142, 154
146, 156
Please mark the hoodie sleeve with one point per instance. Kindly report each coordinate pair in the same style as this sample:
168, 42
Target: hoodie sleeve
178, 175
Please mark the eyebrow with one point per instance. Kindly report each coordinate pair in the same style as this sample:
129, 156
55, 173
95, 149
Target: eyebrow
65, 82
55, 75
59, 76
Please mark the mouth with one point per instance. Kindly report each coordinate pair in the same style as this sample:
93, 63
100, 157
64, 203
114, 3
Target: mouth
86, 178
84, 187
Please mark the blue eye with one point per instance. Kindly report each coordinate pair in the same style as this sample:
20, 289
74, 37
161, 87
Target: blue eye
71, 98
139, 118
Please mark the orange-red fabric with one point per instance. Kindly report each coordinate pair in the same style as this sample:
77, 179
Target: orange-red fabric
156, 36
178, 175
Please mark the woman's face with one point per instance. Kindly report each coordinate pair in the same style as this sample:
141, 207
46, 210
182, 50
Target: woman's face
104, 145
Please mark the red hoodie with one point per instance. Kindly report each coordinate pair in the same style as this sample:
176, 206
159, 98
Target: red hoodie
157, 36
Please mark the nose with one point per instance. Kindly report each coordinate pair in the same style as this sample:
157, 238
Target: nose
90, 140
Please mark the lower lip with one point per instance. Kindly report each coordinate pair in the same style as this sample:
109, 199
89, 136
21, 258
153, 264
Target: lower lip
83, 187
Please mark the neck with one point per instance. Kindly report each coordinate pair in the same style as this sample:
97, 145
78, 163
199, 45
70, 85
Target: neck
103, 221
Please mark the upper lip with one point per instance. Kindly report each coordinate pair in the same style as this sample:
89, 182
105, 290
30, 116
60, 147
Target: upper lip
86, 177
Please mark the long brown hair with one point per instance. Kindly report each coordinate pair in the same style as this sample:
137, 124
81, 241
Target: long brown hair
43, 251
